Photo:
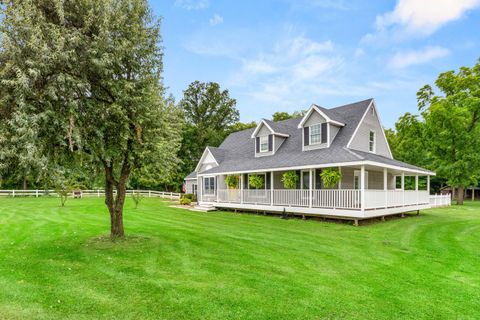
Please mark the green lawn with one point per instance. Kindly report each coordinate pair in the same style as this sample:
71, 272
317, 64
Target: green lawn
56, 263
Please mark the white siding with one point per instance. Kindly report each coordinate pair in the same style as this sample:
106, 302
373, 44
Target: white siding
361, 139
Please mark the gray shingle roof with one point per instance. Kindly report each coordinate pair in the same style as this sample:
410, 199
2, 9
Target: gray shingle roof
237, 152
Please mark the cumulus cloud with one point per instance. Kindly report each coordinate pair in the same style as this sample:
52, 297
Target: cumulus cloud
216, 19
192, 4
415, 57
419, 18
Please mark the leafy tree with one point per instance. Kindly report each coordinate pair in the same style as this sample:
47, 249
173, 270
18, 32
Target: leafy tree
256, 181
452, 126
209, 114
81, 83
279, 116
239, 126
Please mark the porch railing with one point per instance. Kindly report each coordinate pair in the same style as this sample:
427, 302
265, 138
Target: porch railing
330, 199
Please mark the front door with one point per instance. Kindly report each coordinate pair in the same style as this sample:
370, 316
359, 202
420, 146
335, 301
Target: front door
357, 180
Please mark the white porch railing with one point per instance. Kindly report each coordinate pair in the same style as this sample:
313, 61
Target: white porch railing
377, 199
331, 199
440, 200
257, 197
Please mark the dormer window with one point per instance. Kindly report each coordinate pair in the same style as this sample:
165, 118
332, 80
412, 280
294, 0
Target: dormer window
264, 144
371, 142
316, 133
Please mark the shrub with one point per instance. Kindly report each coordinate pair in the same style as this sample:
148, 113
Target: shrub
290, 179
137, 198
330, 177
188, 196
185, 201
256, 181
232, 181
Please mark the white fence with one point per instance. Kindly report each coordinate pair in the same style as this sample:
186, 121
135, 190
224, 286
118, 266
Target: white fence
331, 199
440, 200
86, 193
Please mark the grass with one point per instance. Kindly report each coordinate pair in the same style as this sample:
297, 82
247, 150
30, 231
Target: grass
57, 263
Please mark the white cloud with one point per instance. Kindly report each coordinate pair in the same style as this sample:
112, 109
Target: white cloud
418, 18
408, 58
216, 19
290, 74
192, 4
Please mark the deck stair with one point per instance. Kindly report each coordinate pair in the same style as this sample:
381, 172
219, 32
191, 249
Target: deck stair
204, 208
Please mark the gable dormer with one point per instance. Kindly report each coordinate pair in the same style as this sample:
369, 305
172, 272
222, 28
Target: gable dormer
208, 160
267, 140
319, 129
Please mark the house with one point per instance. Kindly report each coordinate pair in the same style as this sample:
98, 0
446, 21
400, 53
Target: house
349, 138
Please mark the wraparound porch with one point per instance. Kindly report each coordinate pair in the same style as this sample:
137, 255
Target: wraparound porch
364, 191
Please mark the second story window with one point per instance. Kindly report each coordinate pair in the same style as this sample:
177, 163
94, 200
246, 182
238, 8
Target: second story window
371, 142
264, 144
316, 133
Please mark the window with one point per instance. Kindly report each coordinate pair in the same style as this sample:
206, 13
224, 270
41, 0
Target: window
371, 141
398, 182
209, 185
316, 133
264, 144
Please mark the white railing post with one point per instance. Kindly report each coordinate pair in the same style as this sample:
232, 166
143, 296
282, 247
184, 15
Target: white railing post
36, 193
13, 193
149, 193
362, 188
428, 185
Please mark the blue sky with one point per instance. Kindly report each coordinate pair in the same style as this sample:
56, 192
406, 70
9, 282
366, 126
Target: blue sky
284, 55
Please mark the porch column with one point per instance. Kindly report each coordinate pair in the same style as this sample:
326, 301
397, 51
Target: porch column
403, 188
362, 188
310, 188
428, 185
216, 187
385, 186
199, 189
271, 188
340, 182
241, 187
416, 187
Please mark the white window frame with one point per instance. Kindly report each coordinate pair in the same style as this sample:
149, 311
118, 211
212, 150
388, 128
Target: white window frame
205, 189
302, 172
396, 178
319, 134
264, 174
374, 149
263, 143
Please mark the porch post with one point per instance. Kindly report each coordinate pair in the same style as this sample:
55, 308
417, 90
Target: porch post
310, 188
416, 187
385, 186
403, 188
362, 188
428, 185
271, 188
216, 187
241, 188
340, 182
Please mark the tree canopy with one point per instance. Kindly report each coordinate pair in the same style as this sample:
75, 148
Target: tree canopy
81, 83
281, 115
210, 114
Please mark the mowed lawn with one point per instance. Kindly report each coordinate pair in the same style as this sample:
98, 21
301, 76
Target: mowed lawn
56, 263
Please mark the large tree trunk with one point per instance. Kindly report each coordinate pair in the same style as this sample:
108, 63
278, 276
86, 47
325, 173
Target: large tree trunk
460, 195
115, 202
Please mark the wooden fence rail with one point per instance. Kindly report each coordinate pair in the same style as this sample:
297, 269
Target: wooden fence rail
86, 193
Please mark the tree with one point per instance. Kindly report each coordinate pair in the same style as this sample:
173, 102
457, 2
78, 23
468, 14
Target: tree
280, 116
452, 126
209, 114
239, 126
81, 83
